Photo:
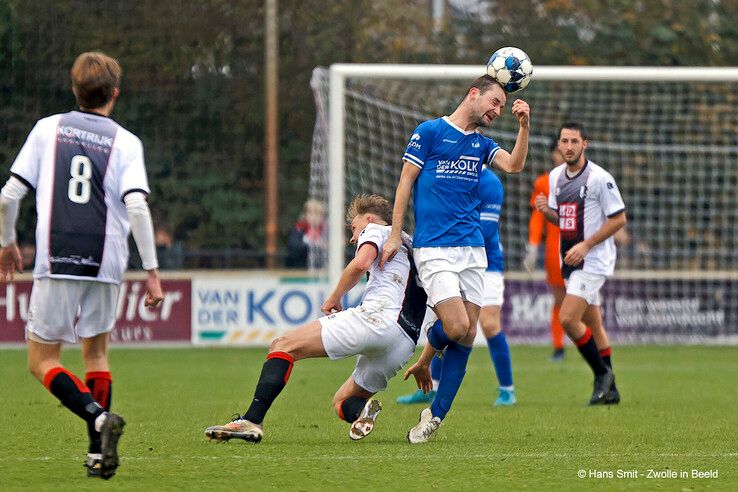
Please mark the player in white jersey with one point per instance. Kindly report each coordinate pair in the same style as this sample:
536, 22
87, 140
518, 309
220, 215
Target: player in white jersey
585, 202
90, 182
441, 167
382, 331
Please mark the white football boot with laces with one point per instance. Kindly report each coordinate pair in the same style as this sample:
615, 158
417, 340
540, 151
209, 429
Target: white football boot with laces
425, 428
365, 423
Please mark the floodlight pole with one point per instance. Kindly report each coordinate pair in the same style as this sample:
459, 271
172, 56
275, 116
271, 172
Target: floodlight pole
271, 133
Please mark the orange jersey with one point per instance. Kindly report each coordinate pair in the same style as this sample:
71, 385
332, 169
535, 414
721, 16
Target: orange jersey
536, 226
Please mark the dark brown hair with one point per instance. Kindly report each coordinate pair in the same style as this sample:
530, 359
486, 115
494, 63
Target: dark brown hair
95, 76
483, 83
573, 125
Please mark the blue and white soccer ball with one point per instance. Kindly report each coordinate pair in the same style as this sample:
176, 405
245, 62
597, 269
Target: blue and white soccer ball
511, 67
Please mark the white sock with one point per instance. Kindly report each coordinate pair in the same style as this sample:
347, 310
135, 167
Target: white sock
100, 420
508, 388
94, 456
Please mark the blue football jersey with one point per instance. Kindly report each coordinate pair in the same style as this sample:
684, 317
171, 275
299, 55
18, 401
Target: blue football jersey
491, 194
446, 192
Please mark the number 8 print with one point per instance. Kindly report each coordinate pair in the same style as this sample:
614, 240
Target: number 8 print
79, 184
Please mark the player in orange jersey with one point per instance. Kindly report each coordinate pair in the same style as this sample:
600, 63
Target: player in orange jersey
536, 226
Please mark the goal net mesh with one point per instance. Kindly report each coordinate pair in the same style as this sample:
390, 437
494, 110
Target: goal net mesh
671, 146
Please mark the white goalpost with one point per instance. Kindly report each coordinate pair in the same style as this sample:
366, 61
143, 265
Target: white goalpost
668, 134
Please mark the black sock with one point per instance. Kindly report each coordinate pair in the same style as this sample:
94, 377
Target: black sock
606, 358
101, 388
73, 394
351, 407
274, 375
588, 349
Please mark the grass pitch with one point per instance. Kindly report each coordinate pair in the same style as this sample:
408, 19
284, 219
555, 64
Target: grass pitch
679, 413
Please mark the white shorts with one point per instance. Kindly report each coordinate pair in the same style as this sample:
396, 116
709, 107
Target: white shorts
586, 285
494, 295
494, 289
382, 346
55, 303
452, 272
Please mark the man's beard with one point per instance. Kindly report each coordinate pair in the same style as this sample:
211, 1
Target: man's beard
574, 160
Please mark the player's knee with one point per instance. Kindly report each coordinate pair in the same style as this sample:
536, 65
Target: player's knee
491, 328
283, 344
568, 320
468, 339
337, 402
36, 370
457, 330
278, 345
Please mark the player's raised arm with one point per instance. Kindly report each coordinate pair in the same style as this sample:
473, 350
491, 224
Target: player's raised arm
514, 162
542, 206
402, 198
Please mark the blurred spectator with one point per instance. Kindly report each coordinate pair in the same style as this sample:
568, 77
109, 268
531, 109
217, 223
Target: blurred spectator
308, 233
169, 251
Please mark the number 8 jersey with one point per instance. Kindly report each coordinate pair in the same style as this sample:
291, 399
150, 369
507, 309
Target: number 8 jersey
81, 165
584, 202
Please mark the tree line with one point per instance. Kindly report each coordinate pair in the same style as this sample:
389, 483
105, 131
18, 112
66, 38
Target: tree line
193, 78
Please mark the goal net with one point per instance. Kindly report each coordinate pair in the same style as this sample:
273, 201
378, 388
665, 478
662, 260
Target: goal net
668, 135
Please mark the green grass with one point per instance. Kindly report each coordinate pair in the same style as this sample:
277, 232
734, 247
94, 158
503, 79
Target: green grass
679, 412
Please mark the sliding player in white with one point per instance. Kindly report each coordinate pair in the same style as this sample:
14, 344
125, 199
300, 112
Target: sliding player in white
382, 331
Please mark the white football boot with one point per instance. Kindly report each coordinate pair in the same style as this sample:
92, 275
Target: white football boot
236, 429
365, 423
425, 428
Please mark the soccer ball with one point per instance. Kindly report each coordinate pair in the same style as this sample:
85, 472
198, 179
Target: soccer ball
511, 67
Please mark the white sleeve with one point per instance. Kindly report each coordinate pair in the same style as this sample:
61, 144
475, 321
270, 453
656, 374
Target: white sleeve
553, 177
27, 164
133, 175
10, 197
610, 199
142, 228
372, 234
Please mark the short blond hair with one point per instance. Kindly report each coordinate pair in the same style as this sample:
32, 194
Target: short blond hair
369, 204
95, 76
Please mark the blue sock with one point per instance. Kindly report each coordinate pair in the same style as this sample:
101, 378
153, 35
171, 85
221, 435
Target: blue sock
499, 350
436, 366
436, 336
452, 374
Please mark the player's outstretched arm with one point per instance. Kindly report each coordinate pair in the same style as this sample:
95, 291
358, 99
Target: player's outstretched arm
421, 369
402, 198
514, 162
350, 276
142, 228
